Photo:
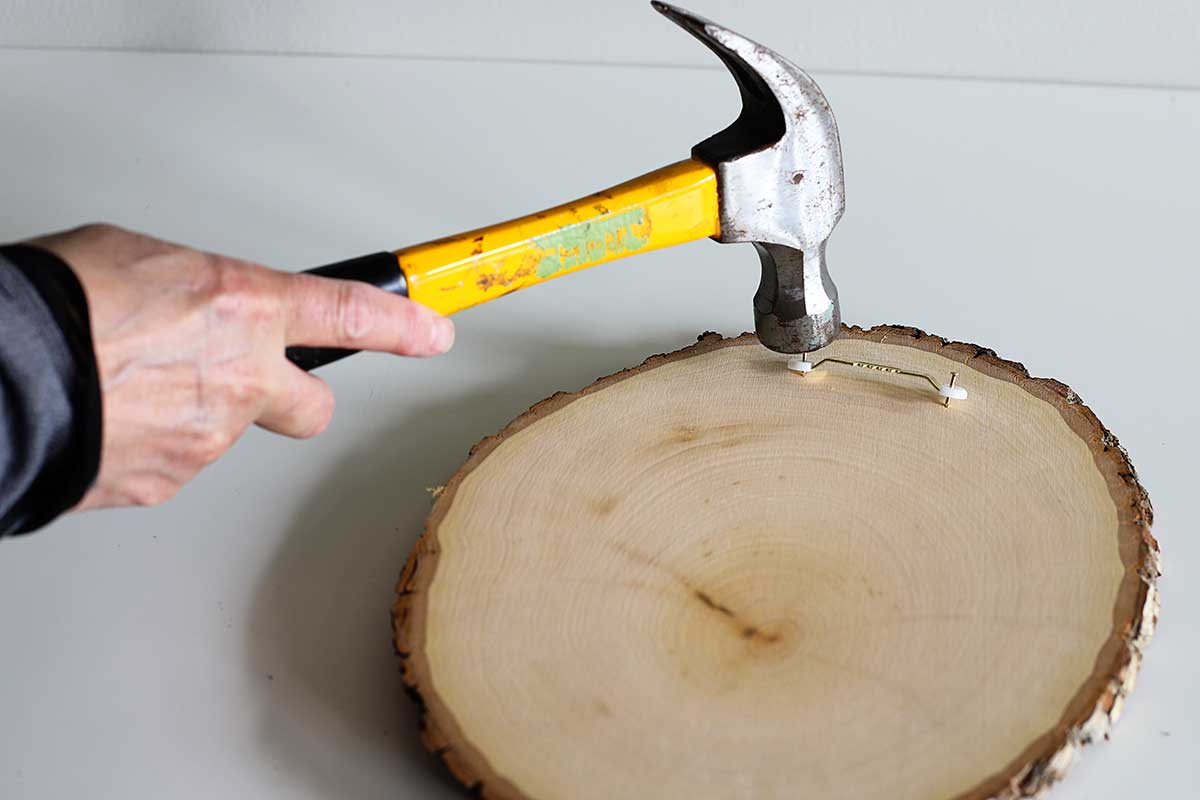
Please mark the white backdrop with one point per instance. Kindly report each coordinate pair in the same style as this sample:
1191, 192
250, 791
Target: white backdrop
235, 642
1151, 43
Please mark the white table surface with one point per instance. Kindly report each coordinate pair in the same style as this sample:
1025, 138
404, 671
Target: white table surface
235, 641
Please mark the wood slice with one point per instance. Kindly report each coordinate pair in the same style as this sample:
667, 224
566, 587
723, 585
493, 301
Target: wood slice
710, 577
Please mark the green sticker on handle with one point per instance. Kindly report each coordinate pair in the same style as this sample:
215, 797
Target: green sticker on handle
587, 242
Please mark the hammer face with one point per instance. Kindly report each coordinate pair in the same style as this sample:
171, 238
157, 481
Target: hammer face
796, 306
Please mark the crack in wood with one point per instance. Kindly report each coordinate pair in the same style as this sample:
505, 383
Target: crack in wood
746, 629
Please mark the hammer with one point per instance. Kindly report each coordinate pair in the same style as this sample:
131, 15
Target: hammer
772, 178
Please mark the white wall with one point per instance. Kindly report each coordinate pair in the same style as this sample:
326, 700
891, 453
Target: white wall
1147, 43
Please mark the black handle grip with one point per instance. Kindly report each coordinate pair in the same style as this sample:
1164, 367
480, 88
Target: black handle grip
377, 269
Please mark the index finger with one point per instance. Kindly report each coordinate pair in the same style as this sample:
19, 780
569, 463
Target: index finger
327, 312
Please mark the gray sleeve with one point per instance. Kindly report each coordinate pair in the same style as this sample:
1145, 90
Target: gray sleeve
49, 390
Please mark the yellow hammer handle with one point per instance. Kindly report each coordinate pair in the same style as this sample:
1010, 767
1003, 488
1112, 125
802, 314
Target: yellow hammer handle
669, 206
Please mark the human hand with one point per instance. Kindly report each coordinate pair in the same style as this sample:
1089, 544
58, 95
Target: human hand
190, 350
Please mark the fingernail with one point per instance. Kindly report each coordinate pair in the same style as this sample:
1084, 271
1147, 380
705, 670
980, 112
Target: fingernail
443, 334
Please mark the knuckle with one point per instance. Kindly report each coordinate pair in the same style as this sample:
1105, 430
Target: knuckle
200, 273
152, 491
245, 389
210, 445
227, 281
99, 229
354, 312
415, 328
236, 292
248, 396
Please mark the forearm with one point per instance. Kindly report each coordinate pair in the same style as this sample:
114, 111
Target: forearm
50, 416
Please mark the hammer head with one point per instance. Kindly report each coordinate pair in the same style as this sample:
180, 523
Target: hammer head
779, 178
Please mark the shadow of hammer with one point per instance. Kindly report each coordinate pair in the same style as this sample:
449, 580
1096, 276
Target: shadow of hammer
773, 178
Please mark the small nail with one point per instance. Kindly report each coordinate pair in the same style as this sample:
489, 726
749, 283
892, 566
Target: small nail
443, 334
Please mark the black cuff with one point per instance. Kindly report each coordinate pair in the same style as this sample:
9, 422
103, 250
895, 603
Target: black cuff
69, 472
